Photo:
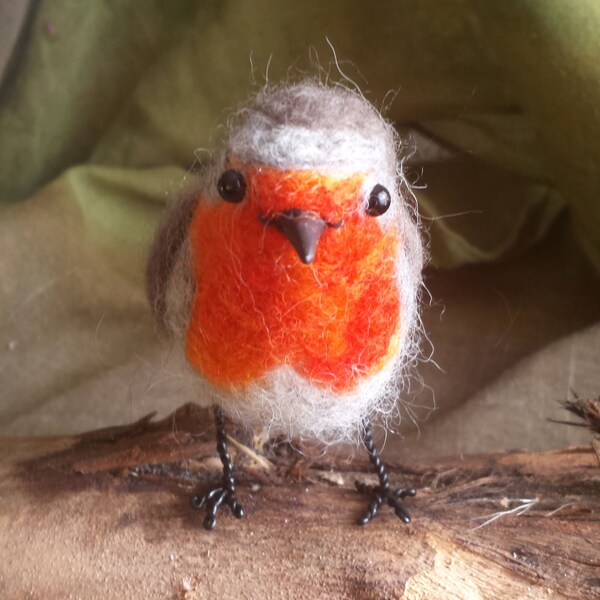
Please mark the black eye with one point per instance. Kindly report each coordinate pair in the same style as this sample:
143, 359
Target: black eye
232, 186
379, 201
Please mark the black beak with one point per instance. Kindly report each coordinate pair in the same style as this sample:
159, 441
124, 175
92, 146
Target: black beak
302, 228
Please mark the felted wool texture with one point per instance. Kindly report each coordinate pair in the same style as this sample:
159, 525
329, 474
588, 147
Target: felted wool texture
169, 278
303, 350
258, 306
314, 127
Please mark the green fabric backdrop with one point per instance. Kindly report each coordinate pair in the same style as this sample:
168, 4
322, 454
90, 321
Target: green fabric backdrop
110, 104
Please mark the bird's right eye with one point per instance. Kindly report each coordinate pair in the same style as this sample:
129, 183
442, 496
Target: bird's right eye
232, 186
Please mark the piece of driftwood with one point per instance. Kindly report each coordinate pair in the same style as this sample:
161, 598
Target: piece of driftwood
107, 515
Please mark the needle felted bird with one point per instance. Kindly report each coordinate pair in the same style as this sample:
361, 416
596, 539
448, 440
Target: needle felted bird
292, 276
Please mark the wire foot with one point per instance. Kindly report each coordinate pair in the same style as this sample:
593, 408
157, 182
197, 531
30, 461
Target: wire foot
226, 492
381, 493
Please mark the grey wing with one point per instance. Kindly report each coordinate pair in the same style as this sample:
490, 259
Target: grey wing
169, 278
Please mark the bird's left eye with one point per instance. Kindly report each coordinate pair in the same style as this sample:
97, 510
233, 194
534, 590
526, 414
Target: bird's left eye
232, 186
379, 201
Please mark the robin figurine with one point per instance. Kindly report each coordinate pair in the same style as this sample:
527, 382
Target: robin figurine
292, 276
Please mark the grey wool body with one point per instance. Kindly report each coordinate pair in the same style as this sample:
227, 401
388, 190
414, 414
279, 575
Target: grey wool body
330, 130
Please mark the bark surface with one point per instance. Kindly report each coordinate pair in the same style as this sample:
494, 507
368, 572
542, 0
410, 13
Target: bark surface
107, 515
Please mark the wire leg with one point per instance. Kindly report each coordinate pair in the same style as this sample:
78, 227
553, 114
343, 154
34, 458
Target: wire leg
226, 492
382, 492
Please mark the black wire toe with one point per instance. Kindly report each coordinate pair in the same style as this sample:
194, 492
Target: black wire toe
383, 492
225, 493
391, 497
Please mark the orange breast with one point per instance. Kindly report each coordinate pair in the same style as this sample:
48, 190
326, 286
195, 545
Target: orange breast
257, 306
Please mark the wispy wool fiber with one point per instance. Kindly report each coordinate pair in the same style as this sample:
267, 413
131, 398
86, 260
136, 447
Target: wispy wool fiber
292, 273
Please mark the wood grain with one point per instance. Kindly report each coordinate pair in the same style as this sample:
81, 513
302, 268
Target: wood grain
107, 515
